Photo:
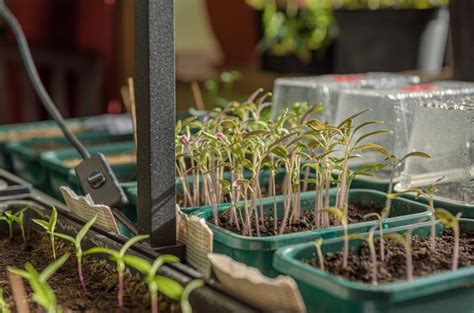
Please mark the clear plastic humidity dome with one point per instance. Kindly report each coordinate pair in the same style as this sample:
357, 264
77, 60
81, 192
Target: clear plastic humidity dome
395, 107
325, 89
444, 128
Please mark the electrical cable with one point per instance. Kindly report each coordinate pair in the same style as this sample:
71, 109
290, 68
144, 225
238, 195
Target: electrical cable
36, 81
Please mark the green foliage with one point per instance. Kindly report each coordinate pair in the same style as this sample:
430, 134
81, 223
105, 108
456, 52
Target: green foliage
448, 220
43, 294
3, 306
155, 282
9, 217
193, 285
76, 241
50, 227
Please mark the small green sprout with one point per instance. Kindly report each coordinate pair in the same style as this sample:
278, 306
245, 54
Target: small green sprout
11, 218
450, 221
118, 258
373, 256
380, 217
193, 285
3, 306
43, 294
77, 245
427, 193
404, 241
318, 244
341, 215
394, 163
50, 227
155, 282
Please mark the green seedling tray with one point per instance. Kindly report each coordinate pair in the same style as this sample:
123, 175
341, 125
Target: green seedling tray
258, 251
60, 174
453, 206
324, 292
28, 131
26, 157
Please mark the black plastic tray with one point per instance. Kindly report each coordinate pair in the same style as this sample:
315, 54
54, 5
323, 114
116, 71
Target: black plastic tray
15, 185
210, 298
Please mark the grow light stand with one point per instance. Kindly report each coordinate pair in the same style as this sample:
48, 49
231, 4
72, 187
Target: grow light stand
156, 114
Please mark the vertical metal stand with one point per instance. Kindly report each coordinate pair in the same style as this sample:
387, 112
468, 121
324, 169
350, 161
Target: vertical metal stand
156, 111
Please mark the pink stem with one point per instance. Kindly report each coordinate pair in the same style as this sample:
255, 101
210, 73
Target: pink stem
120, 291
154, 302
81, 276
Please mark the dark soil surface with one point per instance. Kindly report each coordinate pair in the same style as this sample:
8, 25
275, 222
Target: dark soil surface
100, 277
356, 213
425, 262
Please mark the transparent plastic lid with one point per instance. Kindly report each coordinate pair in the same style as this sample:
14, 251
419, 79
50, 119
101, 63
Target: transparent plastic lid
444, 128
325, 89
394, 107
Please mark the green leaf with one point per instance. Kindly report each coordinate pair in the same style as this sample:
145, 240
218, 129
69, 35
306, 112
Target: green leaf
396, 237
65, 237
53, 219
82, 233
131, 242
193, 285
445, 217
169, 287
366, 123
165, 258
52, 268
138, 263
280, 151
415, 154
352, 117
101, 250
372, 133
374, 147
43, 224
256, 133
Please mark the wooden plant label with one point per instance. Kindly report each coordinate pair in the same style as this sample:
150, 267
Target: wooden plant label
85, 208
196, 235
269, 294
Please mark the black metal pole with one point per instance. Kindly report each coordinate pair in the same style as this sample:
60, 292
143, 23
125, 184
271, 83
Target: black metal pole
156, 110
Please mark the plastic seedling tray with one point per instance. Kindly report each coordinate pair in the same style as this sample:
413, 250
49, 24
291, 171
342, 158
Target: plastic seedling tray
60, 167
444, 129
26, 155
209, 298
324, 292
396, 108
258, 251
325, 89
11, 186
26, 131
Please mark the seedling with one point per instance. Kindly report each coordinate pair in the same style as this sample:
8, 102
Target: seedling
3, 306
380, 218
118, 258
77, 246
193, 285
404, 241
17, 218
341, 216
318, 243
427, 193
450, 221
373, 256
155, 282
43, 294
394, 163
50, 227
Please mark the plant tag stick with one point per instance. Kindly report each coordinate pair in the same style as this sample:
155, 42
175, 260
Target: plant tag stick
133, 110
198, 238
19, 293
279, 294
85, 208
197, 96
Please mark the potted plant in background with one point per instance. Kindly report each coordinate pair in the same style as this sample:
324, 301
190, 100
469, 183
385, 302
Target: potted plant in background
295, 35
380, 35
